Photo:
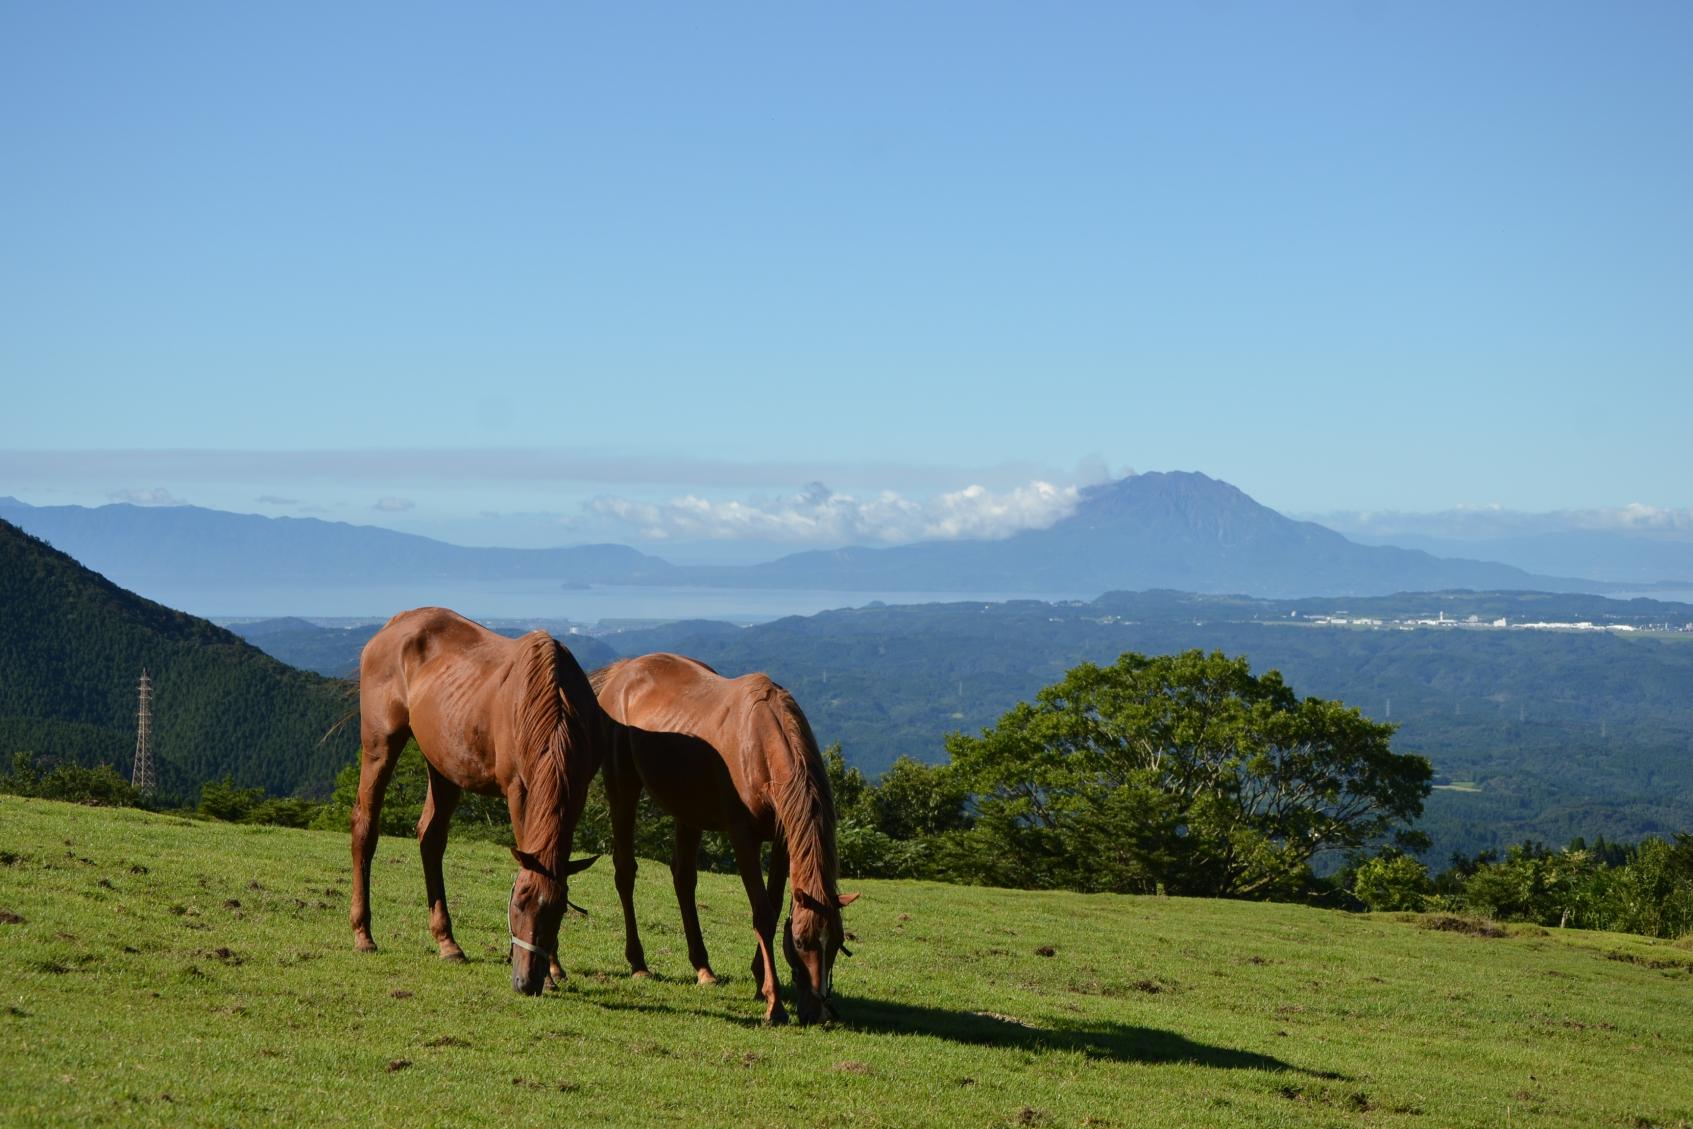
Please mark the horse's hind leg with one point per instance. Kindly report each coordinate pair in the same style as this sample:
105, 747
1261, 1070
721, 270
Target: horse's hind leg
623, 793
376, 765
777, 883
684, 872
438, 810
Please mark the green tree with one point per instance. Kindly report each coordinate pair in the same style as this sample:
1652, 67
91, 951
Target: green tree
1391, 882
847, 786
222, 799
1187, 772
100, 786
1653, 893
913, 799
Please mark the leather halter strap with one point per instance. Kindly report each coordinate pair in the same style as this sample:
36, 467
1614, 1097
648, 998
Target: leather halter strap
527, 946
519, 941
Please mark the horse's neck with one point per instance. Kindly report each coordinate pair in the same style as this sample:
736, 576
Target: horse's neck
806, 863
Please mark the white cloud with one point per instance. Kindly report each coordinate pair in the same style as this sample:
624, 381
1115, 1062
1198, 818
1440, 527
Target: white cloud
276, 500
393, 505
157, 496
819, 515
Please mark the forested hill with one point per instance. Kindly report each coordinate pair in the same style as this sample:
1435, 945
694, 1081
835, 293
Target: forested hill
73, 645
1538, 733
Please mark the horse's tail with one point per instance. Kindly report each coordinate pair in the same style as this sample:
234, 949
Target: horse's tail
805, 805
546, 726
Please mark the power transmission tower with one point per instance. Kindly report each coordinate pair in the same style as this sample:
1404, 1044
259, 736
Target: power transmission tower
144, 778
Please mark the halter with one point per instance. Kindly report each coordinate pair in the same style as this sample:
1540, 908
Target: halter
511, 904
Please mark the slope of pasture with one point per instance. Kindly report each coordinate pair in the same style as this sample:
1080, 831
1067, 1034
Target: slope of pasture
155, 970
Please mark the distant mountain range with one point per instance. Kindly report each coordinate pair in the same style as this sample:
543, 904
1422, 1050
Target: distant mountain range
135, 544
1178, 530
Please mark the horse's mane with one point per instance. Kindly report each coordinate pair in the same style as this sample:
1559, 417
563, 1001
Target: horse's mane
545, 725
805, 807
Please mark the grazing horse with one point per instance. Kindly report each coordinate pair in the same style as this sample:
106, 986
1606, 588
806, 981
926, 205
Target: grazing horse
733, 755
499, 716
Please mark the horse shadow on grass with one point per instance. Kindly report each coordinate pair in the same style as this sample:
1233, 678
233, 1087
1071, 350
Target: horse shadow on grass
1109, 1041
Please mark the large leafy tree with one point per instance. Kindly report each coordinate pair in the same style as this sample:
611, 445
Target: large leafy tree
1184, 772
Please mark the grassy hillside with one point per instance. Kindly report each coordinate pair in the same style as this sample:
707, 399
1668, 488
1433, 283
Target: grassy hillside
161, 971
73, 645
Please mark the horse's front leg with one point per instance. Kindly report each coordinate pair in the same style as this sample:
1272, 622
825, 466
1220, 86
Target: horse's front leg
777, 884
376, 766
763, 916
623, 794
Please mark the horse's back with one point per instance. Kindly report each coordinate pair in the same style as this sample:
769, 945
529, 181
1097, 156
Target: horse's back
690, 725
678, 694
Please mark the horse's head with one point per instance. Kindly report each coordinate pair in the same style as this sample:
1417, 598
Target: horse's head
538, 901
812, 938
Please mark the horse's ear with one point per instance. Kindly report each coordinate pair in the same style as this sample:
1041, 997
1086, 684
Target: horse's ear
529, 862
845, 899
580, 865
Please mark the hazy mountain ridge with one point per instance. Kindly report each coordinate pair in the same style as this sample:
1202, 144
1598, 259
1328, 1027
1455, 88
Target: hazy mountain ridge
132, 543
1155, 530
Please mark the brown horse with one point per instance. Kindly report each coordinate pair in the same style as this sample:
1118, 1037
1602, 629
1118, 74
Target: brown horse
733, 755
512, 717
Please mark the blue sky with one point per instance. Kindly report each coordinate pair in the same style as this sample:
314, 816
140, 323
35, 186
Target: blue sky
502, 274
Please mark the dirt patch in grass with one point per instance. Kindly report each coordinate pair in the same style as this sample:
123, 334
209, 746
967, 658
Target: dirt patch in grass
1469, 926
395, 1065
1644, 961
7, 917
1356, 1101
447, 1041
537, 1084
852, 1066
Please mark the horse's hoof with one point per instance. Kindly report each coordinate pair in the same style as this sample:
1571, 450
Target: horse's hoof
777, 1018
706, 976
364, 944
640, 974
454, 955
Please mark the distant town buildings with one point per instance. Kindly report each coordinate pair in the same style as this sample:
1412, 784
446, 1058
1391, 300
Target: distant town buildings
1441, 621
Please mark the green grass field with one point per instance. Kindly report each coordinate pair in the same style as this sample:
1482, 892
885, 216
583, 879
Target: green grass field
172, 972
